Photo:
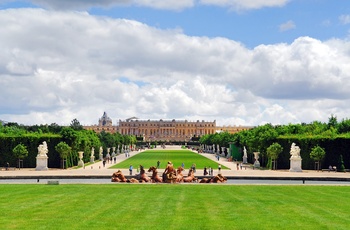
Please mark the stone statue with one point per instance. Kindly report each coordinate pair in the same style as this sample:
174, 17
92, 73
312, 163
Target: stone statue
294, 151
245, 156
42, 158
92, 157
42, 149
92, 151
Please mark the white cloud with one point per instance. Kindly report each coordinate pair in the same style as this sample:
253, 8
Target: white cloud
246, 4
344, 19
289, 25
157, 4
57, 66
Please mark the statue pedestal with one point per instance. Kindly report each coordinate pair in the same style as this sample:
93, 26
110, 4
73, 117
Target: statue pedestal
256, 164
80, 163
295, 164
41, 163
92, 159
245, 160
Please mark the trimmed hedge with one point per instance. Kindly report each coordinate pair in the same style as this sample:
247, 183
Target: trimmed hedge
31, 141
335, 148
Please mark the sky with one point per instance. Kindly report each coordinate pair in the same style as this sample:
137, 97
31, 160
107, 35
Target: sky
238, 62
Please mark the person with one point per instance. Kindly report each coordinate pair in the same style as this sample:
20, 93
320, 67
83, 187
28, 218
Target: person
209, 171
130, 169
7, 165
158, 164
237, 166
205, 171
104, 162
219, 168
183, 165
241, 165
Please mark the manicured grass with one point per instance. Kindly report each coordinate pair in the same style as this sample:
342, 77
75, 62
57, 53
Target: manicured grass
149, 158
180, 206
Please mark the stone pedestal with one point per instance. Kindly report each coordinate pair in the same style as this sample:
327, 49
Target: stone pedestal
295, 164
245, 161
41, 163
256, 162
92, 159
80, 162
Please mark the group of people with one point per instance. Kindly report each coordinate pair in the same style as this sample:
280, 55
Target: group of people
209, 171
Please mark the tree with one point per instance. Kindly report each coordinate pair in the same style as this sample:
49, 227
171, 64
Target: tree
272, 152
317, 154
64, 150
75, 124
20, 152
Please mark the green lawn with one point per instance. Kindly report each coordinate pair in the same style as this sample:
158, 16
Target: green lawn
150, 157
174, 206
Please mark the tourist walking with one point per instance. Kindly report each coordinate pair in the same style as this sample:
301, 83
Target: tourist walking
219, 168
130, 169
158, 164
205, 171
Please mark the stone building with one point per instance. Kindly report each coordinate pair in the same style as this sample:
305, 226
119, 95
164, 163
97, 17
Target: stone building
166, 130
104, 124
162, 130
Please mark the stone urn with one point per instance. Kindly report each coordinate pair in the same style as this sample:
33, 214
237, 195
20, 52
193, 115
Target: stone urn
81, 162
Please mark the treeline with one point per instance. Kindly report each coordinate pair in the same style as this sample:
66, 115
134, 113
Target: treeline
333, 137
19, 142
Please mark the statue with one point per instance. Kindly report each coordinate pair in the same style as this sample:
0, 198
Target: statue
42, 158
42, 149
295, 159
169, 174
294, 151
92, 152
245, 156
101, 153
92, 157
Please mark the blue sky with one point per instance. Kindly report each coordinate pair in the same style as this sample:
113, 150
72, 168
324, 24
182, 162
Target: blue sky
239, 62
318, 19
315, 18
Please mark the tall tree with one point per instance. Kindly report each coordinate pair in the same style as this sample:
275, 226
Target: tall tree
20, 152
317, 154
272, 152
64, 150
75, 124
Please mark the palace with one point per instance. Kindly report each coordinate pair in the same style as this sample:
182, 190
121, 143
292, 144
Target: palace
162, 130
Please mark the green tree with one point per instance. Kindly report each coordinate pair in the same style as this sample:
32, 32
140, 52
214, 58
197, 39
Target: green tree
20, 152
64, 150
75, 124
317, 154
272, 152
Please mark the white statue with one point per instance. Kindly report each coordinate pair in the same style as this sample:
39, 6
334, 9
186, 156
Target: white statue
245, 152
42, 149
294, 151
92, 151
101, 150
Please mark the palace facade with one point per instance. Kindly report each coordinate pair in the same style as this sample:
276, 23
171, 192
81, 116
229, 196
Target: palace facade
162, 130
